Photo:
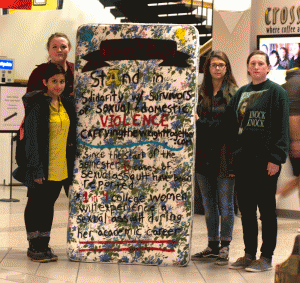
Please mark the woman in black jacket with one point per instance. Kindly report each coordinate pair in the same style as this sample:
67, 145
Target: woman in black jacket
50, 134
213, 157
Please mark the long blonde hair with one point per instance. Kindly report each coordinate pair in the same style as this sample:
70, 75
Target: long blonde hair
57, 34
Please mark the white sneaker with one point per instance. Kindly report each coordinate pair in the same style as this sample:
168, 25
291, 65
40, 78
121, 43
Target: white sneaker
223, 257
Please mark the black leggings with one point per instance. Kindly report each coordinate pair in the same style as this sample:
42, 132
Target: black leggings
39, 210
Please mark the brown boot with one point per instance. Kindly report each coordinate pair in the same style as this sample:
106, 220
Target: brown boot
45, 248
34, 253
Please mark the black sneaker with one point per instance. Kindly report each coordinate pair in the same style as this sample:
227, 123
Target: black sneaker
37, 256
207, 253
51, 255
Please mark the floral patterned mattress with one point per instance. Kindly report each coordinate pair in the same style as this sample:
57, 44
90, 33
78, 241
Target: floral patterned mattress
136, 95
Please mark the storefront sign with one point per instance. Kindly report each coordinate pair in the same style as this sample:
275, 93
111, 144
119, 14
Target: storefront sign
284, 20
16, 4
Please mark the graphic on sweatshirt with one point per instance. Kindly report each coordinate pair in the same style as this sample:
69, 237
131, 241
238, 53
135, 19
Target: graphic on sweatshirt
246, 117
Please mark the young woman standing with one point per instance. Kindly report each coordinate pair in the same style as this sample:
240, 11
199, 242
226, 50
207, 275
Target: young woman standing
58, 47
213, 156
50, 129
260, 148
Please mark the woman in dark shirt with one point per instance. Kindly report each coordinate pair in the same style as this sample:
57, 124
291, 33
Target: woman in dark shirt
261, 146
213, 157
284, 63
58, 47
292, 87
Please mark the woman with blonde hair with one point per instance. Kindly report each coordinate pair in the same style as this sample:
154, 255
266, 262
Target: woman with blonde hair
58, 47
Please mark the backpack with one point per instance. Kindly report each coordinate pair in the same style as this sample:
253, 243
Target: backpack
20, 137
20, 147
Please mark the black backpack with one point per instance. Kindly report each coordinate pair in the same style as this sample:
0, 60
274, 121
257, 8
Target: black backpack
20, 137
20, 147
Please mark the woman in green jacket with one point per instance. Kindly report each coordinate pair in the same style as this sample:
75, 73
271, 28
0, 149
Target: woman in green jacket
261, 146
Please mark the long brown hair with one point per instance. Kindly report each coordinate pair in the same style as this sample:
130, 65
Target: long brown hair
206, 87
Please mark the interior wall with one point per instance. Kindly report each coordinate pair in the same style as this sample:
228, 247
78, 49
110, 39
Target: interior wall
233, 38
24, 35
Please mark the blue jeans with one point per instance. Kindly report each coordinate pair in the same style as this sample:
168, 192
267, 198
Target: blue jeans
217, 195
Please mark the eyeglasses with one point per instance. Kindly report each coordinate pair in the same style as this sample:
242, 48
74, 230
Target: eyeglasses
220, 66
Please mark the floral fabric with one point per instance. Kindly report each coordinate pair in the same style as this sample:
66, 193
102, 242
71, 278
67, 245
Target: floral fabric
132, 193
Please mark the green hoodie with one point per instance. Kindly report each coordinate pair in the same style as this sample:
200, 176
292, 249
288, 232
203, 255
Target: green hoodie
260, 118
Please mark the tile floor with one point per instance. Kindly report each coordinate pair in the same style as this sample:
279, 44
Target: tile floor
15, 267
